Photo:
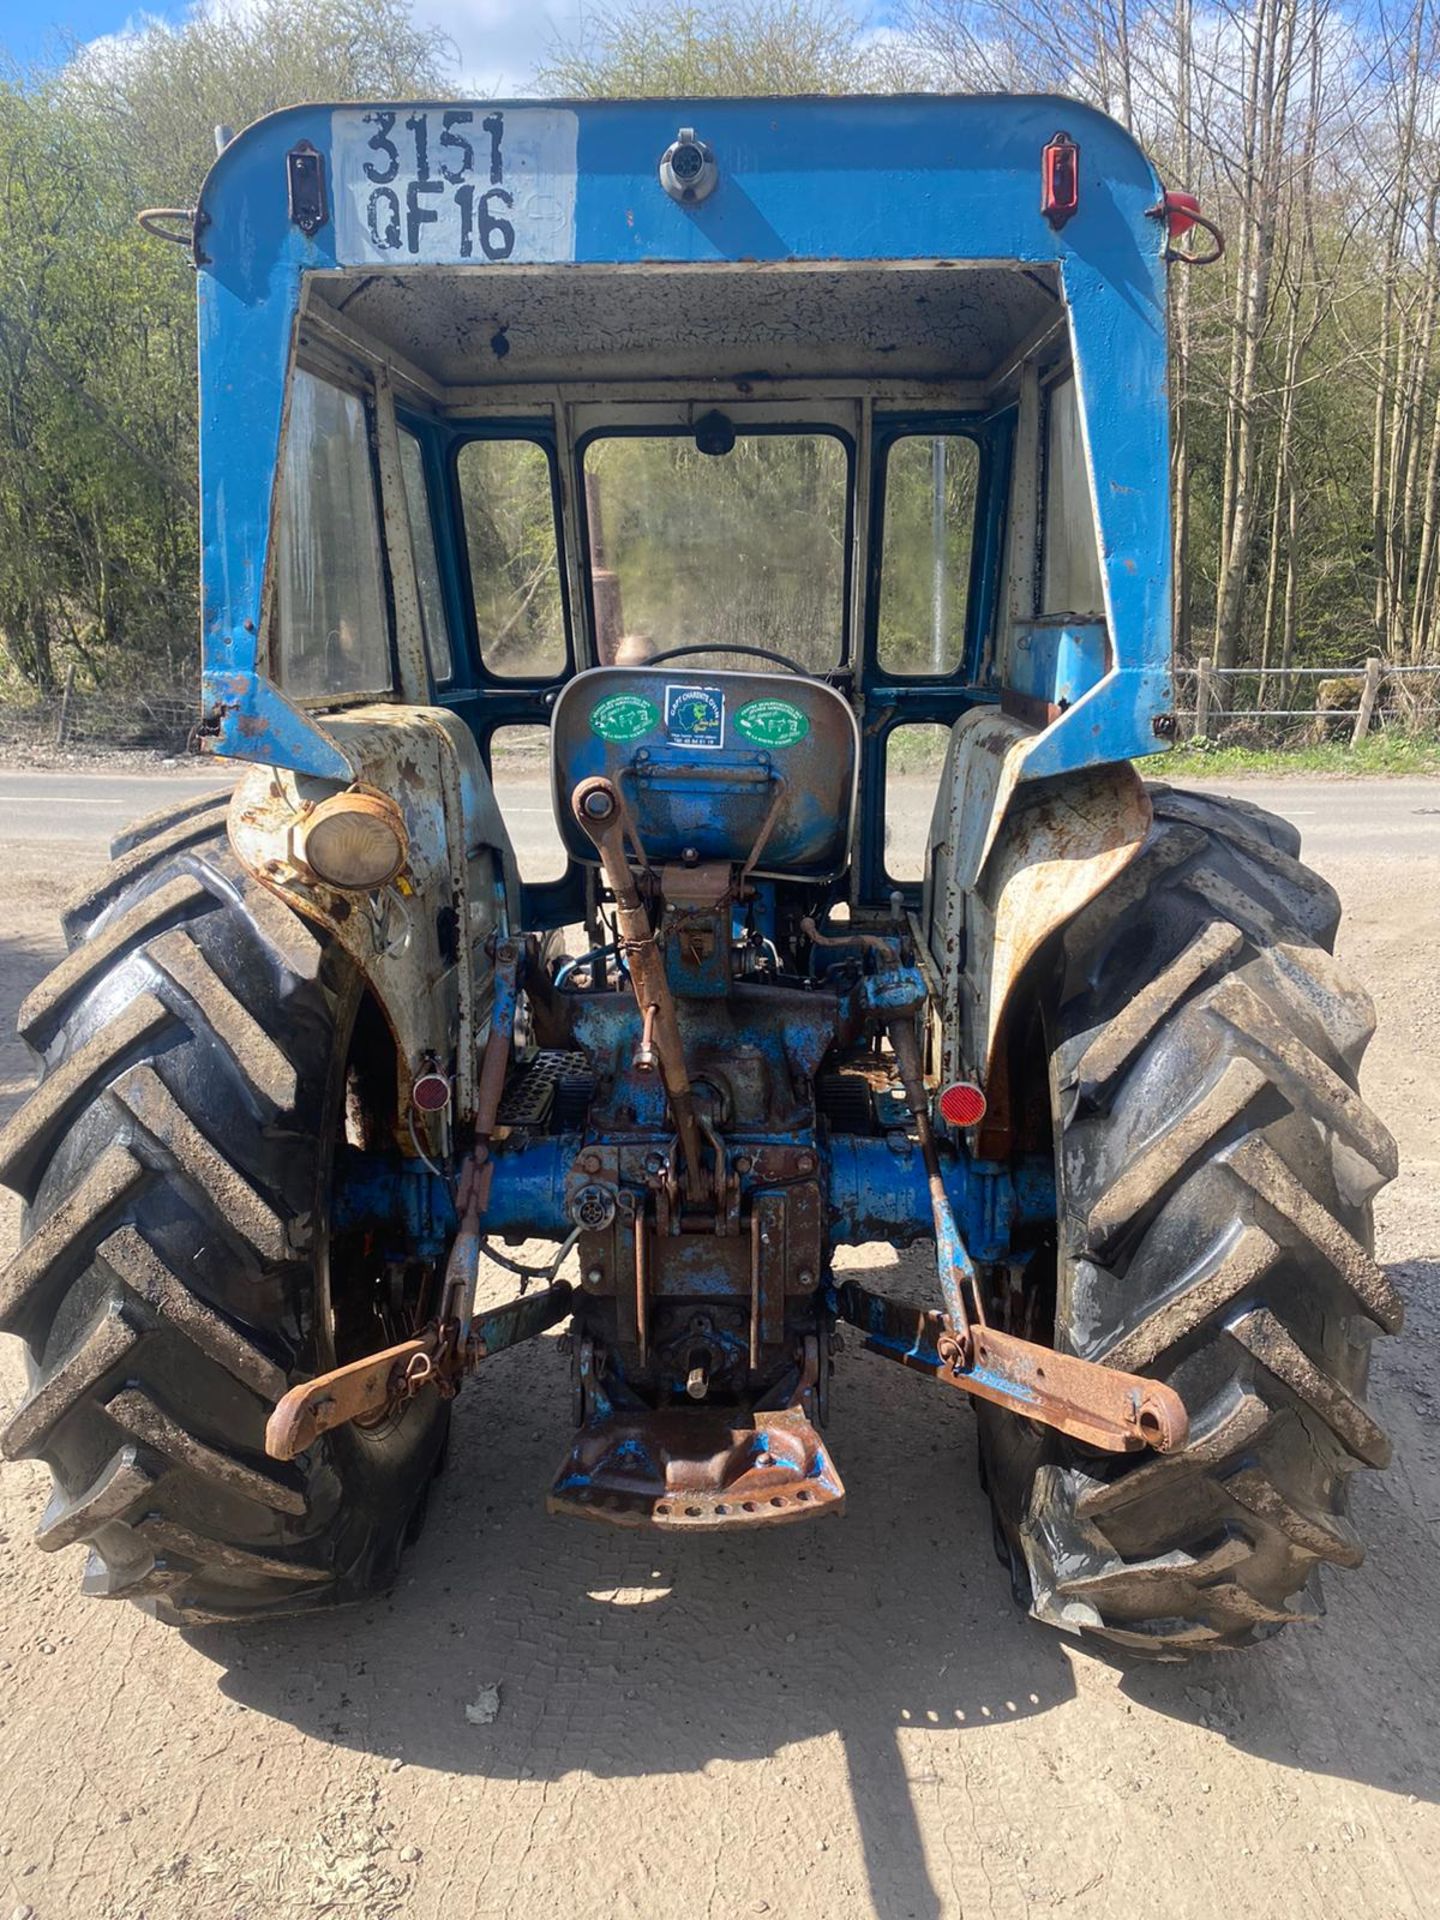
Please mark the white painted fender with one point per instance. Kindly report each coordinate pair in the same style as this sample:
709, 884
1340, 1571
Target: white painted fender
434, 990
1011, 861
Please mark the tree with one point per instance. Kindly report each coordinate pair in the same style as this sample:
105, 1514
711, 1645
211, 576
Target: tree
740, 47
98, 556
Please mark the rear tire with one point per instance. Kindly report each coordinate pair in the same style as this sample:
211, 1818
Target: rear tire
1215, 1169
195, 1050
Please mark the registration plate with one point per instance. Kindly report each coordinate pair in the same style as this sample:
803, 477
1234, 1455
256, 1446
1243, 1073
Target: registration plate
454, 185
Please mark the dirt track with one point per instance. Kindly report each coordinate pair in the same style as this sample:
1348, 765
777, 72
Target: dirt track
848, 1719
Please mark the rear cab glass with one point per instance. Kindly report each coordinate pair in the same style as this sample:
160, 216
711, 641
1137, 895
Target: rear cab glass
740, 547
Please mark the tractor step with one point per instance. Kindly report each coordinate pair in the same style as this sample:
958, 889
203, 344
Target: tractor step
708, 1470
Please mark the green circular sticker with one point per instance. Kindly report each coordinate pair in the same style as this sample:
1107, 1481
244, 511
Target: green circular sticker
772, 723
624, 716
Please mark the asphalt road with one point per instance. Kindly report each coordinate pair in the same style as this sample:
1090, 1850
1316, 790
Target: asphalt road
1339, 818
88, 807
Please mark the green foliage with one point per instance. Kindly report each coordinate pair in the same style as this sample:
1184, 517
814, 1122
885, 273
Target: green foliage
1386, 753
164, 90
97, 544
98, 560
739, 48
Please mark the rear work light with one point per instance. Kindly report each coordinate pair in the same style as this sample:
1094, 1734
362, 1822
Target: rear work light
962, 1104
355, 841
1060, 180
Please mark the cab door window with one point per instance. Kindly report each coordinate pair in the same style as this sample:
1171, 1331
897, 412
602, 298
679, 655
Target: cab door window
931, 484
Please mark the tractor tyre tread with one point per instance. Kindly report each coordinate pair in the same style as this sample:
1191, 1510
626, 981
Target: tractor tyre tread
165, 1284
1216, 1167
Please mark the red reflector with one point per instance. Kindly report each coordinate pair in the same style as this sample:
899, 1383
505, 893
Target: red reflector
1180, 212
431, 1093
962, 1103
1059, 180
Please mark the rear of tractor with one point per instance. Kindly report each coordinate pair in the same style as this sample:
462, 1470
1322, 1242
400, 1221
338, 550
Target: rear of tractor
780, 460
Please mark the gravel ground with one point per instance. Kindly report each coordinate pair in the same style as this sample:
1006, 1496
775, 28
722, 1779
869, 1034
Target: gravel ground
849, 1719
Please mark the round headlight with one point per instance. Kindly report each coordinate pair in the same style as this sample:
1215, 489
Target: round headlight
355, 841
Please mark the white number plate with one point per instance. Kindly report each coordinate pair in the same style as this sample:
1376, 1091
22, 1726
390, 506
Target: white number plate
453, 184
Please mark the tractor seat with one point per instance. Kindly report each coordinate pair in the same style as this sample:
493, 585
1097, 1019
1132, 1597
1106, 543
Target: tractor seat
713, 766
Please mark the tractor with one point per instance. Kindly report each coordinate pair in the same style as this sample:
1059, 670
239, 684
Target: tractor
800, 469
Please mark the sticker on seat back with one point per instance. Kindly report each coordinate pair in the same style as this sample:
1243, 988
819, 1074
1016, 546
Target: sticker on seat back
772, 723
624, 716
695, 716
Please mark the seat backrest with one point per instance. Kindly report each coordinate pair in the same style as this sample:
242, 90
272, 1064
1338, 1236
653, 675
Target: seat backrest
708, 762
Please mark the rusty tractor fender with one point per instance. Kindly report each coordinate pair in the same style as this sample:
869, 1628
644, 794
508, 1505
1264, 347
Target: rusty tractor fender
1011, 861
421, 940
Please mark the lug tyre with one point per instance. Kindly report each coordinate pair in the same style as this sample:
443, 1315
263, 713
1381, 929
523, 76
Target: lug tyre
1215, 1168
197, 1050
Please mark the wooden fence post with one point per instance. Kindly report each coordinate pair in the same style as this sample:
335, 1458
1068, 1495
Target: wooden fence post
1369, 694
1204, 696
62, 723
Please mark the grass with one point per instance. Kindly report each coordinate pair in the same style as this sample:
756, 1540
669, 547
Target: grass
1382, 755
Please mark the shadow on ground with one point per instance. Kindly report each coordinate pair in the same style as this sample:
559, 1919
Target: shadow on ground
625, 1655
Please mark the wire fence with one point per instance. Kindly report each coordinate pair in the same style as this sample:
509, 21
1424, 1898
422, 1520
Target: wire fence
128, 719
1264, 707
1303, 706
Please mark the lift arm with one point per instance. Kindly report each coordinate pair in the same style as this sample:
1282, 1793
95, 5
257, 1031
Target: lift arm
1119, 1412
440, 1355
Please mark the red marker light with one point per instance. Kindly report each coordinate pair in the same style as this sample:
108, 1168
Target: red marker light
1060, 180
430, 1093
1180, 210
1181, 214
963, 1104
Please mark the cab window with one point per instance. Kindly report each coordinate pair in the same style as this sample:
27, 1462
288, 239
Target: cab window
330, 608
931, 482
719, 540
507, 498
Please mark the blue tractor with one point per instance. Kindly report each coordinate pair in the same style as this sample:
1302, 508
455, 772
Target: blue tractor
764, 454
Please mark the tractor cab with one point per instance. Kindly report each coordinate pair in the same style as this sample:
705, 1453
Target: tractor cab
746, 456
